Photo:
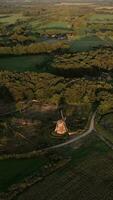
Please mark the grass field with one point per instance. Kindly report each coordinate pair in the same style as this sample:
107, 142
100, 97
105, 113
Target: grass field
56, 25
13, 171
23, 63
105, 127
51, 20
101, 17
12, 18
86, 43
88, 176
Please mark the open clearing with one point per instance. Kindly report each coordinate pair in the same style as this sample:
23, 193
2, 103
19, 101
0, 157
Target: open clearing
56, 25
23, 63
87, 43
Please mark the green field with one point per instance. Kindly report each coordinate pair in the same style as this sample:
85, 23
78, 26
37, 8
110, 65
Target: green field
53, 27
105, 127
101, 17
23, 63
12, 18
56, 25
87, 176
14, 171
87, 43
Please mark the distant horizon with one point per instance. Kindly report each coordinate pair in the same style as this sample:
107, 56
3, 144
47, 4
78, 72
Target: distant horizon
59, 1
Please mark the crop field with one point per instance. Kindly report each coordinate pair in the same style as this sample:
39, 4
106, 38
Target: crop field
102, 17
87, 176
13, 171
12, 18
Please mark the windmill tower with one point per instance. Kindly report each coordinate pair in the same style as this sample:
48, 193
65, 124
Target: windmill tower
61, 127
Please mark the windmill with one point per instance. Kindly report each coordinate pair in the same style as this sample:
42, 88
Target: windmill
61, 127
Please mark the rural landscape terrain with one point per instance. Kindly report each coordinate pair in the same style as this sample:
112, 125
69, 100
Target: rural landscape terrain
56, 66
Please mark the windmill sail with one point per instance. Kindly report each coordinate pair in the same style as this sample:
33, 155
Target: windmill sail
63, 118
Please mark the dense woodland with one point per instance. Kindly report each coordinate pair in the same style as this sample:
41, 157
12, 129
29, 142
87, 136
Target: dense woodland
48, 88
47, 57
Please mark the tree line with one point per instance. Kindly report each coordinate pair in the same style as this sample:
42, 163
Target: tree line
35, 48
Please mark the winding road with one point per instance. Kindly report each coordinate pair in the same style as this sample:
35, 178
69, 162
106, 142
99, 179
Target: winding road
72, 140
85, 133
75, 139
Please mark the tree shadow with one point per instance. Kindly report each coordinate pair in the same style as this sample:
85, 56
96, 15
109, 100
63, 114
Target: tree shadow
5, 95
7, 105
62, 105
